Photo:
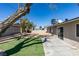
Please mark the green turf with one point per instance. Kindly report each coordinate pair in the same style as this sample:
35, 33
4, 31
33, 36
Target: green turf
23, 47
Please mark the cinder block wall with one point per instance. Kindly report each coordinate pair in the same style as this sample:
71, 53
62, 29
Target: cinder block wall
11, 30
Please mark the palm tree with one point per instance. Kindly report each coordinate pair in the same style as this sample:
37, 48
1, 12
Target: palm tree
23, 25
26, 26
30, 26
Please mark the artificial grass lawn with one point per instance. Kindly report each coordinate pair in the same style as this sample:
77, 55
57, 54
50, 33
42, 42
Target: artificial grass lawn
23, 47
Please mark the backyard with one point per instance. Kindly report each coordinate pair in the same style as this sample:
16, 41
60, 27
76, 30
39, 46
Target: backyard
31, 46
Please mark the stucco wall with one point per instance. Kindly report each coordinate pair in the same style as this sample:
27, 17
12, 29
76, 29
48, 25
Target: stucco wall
51, 30
70, 30
54, 30
70, 33
48, 29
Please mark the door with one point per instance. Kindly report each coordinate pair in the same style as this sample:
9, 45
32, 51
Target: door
60, 32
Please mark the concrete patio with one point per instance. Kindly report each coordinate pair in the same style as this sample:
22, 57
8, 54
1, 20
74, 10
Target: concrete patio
57, 47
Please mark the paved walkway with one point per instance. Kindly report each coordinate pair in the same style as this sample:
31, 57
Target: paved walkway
57, 47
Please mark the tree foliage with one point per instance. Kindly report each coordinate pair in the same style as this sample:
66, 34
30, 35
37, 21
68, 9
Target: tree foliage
53, 21
26, 25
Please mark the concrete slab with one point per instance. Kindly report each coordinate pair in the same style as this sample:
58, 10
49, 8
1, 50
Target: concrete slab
57, 47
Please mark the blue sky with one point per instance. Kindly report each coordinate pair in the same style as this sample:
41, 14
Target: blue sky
42, 13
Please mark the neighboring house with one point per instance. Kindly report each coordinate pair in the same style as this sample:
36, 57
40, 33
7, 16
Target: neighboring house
50, 29
67, 31
12, 30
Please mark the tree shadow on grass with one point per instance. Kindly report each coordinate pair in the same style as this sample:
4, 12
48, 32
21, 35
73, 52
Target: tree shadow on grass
18, 38
22, 44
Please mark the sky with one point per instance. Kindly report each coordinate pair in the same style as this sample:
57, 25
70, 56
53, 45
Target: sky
42, 13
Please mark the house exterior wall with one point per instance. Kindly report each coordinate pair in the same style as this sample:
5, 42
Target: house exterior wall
54, 30
70, 33
49, 29
70, 30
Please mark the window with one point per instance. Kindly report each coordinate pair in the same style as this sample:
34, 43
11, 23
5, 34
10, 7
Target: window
77, 30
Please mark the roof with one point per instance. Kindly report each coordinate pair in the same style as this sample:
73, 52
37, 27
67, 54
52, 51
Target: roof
69, 21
